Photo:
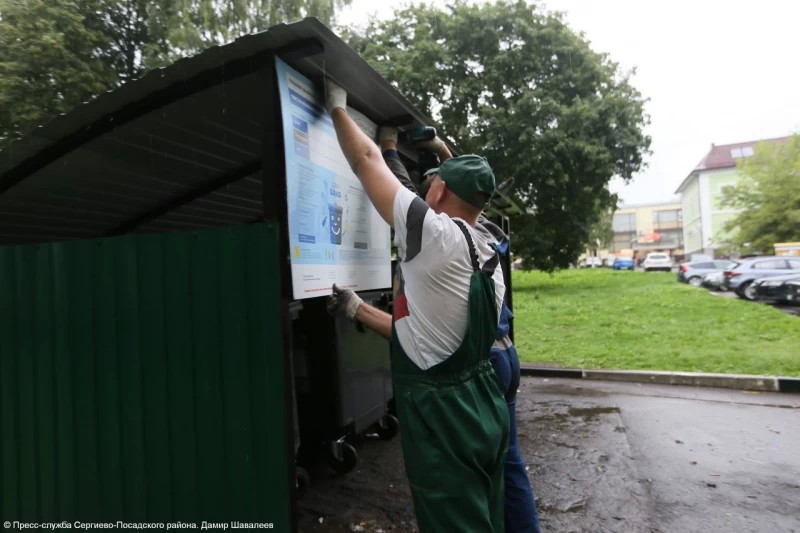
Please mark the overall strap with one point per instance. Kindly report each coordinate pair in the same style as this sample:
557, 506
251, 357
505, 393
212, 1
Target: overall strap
490, 265
473, 255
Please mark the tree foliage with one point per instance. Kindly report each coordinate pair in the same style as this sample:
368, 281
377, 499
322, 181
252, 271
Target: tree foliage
57, 54
517, 85
48, 62
767, 197
601, 233
199, 24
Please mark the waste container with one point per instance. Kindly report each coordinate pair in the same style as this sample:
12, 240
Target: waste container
342, 381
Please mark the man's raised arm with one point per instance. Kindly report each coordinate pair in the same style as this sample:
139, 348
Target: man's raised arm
362, 154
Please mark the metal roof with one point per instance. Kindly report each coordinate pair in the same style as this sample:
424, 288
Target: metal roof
178, 149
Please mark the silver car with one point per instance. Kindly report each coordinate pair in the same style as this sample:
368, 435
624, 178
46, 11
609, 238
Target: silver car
740, 278
693, 271
713, 280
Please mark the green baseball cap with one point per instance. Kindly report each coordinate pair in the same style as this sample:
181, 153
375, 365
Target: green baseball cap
467, 176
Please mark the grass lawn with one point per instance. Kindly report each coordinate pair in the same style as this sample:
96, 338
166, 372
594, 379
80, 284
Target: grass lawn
648, 321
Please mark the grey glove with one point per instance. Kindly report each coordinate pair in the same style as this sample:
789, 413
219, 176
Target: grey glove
387, 133
344, 302
335, 96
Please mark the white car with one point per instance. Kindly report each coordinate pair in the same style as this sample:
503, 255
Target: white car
592, 262
657, 261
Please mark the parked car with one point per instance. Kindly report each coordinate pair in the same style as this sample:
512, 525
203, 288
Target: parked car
740, 277
793, 292
694, 271
657, 261
776, 288
623, 262
592, 262
713, 280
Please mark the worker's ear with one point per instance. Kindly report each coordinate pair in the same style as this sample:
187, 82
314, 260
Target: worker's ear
439, 192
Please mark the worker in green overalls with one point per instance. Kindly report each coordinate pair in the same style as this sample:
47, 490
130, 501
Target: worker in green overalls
453, 418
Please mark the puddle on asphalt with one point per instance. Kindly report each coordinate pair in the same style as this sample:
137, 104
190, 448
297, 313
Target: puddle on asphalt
591, 412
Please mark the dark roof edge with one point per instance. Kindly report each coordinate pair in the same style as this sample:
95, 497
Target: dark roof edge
159, 87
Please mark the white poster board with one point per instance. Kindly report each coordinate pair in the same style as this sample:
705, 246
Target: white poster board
335, 234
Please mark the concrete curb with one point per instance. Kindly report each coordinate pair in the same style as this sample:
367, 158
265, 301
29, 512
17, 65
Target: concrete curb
726, 381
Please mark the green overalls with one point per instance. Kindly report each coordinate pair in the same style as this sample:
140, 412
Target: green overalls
454, 423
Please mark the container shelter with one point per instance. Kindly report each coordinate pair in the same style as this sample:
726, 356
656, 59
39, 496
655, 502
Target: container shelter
147, 324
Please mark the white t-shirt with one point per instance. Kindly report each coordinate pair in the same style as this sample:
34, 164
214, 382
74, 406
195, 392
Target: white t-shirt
431, 306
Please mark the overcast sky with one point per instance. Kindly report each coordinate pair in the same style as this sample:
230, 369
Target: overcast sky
715, 71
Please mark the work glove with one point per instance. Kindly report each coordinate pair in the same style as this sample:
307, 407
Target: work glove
335, 96
344, 302
434, 145
387, 133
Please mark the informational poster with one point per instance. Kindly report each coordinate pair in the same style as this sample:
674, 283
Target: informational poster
335, 234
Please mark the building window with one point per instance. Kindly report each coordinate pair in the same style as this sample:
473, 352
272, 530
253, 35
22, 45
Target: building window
663, 220
623, 241
672, 238
624, 223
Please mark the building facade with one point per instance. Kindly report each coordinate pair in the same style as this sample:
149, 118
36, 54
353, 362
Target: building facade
639, 229
643, 228
701, 192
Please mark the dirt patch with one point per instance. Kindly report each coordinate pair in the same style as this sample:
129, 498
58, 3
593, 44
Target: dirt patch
374, 497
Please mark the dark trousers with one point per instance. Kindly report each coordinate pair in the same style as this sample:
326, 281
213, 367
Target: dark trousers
520, 506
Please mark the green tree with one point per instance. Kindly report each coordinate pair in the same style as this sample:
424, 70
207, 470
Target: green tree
48, 63
199, 24
767, 197
516, 84
601, 232
57, 54
137, 35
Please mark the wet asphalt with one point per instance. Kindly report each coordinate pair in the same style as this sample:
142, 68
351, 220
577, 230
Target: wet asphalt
627, 457
610, 457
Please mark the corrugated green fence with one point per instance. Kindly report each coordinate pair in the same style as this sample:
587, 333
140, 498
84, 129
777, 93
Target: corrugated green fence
142, 379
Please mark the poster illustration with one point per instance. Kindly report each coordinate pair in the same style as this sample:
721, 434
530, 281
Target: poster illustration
335, 234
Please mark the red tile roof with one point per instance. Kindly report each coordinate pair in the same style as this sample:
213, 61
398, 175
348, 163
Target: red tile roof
722, 156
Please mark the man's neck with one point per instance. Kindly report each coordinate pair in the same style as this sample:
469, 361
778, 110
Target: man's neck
469, 218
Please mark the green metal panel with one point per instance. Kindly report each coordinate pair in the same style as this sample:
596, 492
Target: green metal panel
9, 468
142, 379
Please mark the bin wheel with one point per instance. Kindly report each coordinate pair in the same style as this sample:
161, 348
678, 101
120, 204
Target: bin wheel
342, 457
387, 427
301, 481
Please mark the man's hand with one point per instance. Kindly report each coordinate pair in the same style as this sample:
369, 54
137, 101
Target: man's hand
335, 96
344, 302
387, 133
434, 145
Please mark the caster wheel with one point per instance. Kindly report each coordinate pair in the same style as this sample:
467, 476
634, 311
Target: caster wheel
301, 481
342, 457
387, 427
